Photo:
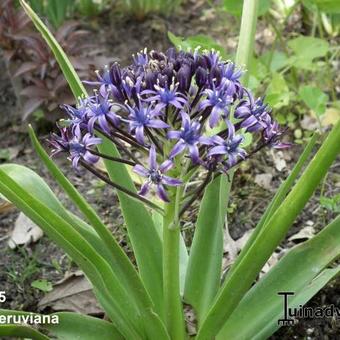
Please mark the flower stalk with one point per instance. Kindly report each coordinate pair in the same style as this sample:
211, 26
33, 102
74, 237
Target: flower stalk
174, 318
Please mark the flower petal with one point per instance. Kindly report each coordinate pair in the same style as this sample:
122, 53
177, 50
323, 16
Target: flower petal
162, 193
139, 133
217, 150
144, 189
174, 135
178, 148
171, 181
166, 166
152, 158
157, 124
140, 170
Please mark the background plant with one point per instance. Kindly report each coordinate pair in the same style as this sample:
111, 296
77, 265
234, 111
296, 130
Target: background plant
33, 69
141, 8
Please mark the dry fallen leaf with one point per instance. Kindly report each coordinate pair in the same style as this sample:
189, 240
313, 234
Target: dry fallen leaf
264, 181
269, 264
304, 234
232, 248
309, 123
330, 117
6, 207
73, 293
279, 161
24, 232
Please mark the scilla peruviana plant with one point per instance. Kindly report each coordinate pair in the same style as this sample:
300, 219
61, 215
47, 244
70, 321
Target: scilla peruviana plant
172, 116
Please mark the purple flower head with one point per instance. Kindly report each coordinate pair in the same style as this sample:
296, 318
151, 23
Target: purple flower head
100, 112
141, 117
172, 98
105, 81
132, 87
60, 143
230, 72
155, 175
201, 77
188, 137
229, 147
76, 145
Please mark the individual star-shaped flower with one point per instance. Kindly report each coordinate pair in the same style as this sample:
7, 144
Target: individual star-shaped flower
189, 137
143, 116
100, 111
155, 175
219, 99
76, 145
165, 96
229, 146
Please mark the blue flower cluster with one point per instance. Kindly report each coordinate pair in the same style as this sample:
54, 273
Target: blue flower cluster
171, 105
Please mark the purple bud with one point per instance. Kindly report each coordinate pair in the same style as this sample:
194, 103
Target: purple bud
184, 78
201, 76
116, 75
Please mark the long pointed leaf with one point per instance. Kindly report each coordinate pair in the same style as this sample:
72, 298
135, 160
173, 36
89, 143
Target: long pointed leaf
72, 326
297, 272
122, 308
240, 279
21, 331
279, 197
205, 260
121, 264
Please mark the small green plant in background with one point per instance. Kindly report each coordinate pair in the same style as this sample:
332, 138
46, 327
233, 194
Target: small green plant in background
163, 123
56, 11
331, 203
90, 8
141, 8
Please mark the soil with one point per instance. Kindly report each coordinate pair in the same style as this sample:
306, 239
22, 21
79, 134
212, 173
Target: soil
121, 37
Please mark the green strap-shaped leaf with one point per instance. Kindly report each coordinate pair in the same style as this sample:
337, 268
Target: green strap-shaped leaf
279, 197
121, 307
20, 331
71, 326
205, 260
76, 326
302, 297
240, 279
120, 262
298, 272
142, 232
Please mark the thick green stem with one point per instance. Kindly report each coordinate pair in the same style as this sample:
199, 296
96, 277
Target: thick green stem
246, 41
245, 46
172, 299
